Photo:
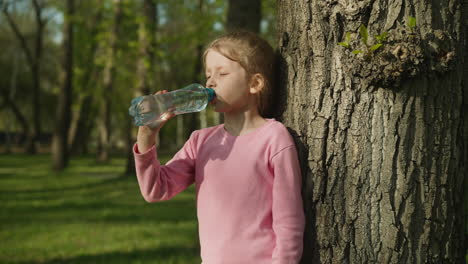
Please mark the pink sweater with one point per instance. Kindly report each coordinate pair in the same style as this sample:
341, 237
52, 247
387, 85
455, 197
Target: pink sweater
249, 203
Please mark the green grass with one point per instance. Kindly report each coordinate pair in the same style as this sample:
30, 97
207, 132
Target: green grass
89, 214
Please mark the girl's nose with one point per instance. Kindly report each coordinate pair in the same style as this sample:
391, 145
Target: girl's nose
210, 83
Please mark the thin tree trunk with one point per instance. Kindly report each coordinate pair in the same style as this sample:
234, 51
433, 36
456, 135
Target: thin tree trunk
145, 69
36, 78
108, 82
60, 140
84, 123
11, 96
34, 63
83, 120
179, 132
17, 113
244, 14
382, 136
198, 71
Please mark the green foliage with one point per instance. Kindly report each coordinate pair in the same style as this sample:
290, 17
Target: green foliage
375, 47
357, 51
89, 214
182, 27
269, 21
411, 23
381, 38
364, 34
370, 49
23, 15
347, 40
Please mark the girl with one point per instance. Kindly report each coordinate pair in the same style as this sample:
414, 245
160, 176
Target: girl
246, 171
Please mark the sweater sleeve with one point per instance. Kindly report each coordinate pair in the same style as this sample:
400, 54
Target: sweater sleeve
162, 182
287, 208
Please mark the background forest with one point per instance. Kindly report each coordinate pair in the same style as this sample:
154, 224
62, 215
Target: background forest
118, 50
68, 72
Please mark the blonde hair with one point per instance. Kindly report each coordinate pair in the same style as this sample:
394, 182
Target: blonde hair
255, 55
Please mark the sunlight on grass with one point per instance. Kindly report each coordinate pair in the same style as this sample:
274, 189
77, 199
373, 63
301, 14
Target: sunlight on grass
89, 214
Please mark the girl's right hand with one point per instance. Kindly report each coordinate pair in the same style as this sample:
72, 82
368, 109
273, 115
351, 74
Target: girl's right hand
157, 125
146, 134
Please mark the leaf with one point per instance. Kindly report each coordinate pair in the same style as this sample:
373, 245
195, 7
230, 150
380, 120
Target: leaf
348, 37
382, 37
357, 51
364, 34
344, 44
411, 22
376, 46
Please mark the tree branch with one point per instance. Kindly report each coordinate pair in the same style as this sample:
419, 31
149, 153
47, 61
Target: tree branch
38, 11
20, 37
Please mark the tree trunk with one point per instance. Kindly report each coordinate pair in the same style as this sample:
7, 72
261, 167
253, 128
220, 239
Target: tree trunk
9, 97
17, 113
84, 119
382, 135
34, 63
60, 151
36, 79
83, 126
244, 14
145, 69
108, 83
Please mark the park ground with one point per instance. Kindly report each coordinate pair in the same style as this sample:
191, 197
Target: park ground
89, 213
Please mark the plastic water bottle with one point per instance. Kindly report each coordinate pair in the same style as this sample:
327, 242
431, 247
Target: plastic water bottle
149, 109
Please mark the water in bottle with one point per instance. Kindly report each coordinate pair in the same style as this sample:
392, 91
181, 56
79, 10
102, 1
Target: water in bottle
151, 108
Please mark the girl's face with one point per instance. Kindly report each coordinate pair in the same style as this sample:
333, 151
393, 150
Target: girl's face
229, 80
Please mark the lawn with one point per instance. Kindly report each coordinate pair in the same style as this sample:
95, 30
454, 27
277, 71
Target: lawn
89, 213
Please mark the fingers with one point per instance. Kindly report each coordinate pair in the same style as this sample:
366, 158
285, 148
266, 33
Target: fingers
161, 92
158, 124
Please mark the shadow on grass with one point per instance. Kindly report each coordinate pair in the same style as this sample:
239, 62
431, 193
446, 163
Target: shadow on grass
49, 209
109, 212
62, 189
163, 255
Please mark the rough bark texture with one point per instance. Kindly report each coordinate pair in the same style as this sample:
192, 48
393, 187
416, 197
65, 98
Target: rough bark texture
60, 154
382, 135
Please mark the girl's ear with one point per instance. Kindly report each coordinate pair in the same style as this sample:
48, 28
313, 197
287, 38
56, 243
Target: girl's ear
257, 82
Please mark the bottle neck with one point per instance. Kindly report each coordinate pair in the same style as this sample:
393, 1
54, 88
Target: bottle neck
211, 94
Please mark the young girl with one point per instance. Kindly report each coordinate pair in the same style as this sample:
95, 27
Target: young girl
246, 171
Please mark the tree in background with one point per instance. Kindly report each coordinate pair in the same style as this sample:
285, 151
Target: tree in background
377, 97
104, 123
87, 71
108, 68
60, 150
244, 14
34, 63
146, 74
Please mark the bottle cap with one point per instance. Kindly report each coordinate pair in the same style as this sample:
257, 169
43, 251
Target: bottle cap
211, 94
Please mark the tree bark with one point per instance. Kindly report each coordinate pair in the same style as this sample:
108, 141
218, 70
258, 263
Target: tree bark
60, 153
382, 135
244, 14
